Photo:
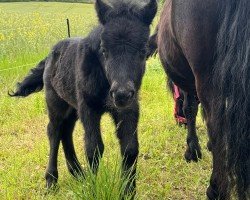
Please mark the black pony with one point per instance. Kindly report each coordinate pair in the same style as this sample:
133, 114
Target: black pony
204, 47
84, 78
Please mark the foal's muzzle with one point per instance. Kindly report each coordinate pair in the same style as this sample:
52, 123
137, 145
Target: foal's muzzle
122, 95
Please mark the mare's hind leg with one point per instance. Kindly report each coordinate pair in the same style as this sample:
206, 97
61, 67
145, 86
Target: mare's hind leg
126, 123
190, 109
94, 146
68, 146
218, 188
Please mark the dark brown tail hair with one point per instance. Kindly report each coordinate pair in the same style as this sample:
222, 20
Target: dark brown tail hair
33, 82
231, 110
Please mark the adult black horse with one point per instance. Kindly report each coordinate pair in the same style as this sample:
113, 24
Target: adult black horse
204, 47
86, 77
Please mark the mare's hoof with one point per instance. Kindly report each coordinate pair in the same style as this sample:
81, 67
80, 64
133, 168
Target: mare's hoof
212, 194
209, 145
193, 152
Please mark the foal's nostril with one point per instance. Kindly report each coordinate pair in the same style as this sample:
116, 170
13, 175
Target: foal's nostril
123, 95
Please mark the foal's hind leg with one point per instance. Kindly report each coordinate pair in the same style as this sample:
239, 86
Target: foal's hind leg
59, 123
126, 123
54, 136
190, 108
68, 146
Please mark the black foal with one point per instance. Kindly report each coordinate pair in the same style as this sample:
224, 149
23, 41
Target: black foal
84, 78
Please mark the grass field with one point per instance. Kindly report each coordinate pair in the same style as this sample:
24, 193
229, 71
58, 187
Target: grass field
27, 31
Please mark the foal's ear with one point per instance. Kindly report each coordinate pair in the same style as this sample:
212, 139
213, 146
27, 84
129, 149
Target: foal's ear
102, 9
148, 12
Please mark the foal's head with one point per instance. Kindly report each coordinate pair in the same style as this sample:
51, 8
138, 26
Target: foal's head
124, 47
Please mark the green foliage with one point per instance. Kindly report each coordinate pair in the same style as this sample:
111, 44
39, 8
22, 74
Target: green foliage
108, 184
161, 2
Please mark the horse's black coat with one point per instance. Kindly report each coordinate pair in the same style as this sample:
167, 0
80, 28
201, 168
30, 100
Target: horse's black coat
204, 47
84, 78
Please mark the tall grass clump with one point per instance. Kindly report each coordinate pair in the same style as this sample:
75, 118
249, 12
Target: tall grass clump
109, 183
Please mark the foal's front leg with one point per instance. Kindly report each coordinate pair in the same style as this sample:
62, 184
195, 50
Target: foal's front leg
190, 108
126, 122
93, 141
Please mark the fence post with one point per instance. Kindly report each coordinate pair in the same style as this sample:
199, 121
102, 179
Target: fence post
68, 28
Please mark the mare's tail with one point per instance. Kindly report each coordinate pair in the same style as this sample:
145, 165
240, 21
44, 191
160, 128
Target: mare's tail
33, 82
231, 110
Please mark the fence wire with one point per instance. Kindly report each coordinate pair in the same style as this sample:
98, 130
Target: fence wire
29, 27
17, 67
32, 27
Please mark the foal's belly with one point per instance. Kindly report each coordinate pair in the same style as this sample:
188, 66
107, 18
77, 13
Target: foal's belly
65, 89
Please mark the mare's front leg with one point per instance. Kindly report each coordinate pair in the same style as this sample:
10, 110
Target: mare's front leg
190, 109
126, 122
93, 141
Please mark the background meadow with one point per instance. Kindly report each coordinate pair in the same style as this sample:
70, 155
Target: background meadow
27, 32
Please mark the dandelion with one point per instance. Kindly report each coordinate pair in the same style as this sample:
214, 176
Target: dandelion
2, 37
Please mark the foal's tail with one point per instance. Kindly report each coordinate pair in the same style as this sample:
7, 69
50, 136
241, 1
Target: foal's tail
231, 111
33, 82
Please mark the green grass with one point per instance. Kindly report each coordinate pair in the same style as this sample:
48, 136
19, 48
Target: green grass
162, 170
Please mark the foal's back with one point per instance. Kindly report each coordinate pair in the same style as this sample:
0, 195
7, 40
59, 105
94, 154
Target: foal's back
65, 62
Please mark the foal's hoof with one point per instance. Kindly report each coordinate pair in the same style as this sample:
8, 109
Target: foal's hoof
77, 173
193, 152
51, 180
51, 185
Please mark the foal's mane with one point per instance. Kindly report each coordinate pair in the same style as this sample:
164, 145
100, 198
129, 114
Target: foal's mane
130, 9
